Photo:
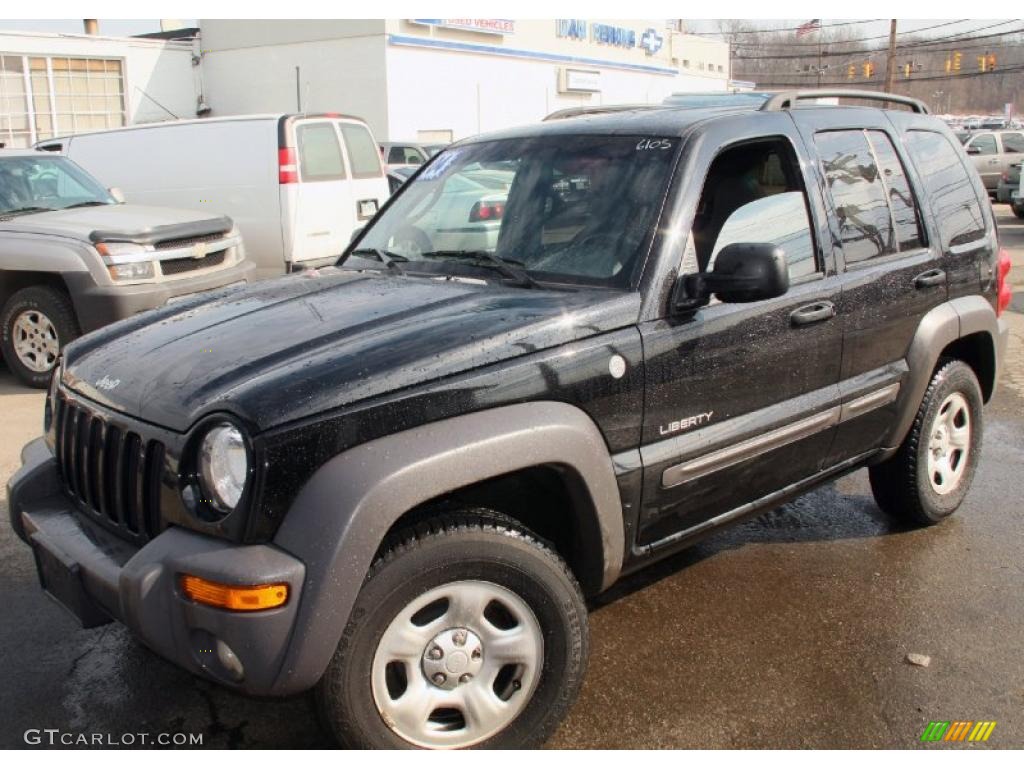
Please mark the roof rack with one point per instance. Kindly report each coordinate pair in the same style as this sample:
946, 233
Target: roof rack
788, 99
602, 109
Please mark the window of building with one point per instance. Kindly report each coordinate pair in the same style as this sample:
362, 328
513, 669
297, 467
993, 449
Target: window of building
858, 195
1013, 142
901, 199
754, 194
45, 96
319, 152
955, 202
362, 152
686, 63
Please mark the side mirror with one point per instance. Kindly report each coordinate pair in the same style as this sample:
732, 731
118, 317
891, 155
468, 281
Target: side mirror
355, 233
117, 194
973, 151
743, 272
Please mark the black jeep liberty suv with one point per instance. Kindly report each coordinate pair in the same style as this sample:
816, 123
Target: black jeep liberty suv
558, 354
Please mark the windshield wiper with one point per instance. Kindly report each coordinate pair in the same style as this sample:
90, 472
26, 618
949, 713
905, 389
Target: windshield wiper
26, 209
388, 259
84, 204
507, 267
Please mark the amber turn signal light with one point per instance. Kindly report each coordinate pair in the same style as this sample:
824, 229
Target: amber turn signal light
232, 598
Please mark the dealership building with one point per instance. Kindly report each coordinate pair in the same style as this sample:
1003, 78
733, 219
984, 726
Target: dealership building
444, 79
432, 80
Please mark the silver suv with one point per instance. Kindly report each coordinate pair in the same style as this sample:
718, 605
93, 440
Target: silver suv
74, 258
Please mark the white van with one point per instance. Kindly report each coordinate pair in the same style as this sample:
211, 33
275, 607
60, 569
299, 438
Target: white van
296, 186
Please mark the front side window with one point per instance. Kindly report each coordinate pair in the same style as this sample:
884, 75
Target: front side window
564, 208
950, 189
858, 195
985, 144
29, 183
754, 194
362, 152
319, 152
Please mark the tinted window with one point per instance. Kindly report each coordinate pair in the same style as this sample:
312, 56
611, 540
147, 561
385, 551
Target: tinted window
858, 194
984, 144
954, 201
901, 199
1013, 142
362, 152
319, 153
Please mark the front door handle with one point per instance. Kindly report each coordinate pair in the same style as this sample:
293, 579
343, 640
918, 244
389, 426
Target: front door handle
813, 313
930, 278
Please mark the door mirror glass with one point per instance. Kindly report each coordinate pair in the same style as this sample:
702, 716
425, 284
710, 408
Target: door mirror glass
743, 272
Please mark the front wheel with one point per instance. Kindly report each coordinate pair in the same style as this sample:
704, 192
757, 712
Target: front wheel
35, 324
929, 476
469, 632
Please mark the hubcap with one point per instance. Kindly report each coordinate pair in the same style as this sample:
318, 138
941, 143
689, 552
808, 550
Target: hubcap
457, 665
35, 341
949, 444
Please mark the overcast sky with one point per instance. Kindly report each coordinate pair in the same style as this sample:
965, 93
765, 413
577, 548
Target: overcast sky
139, 26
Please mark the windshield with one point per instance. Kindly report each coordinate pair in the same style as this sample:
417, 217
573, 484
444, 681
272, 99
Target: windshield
45, 182
576, 209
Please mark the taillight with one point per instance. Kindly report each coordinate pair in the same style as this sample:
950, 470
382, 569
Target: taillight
484, 211
287, 170
1004, 294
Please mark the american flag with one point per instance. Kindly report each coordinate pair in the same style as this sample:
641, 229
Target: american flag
808, 27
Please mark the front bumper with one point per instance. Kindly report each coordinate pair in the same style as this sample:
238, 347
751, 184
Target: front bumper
100, 305
99, 577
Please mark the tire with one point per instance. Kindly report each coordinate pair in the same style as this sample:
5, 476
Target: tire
1018, 211
427, 583
37, 323
926, 480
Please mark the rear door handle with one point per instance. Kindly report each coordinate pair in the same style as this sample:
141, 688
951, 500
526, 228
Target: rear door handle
930, 278
813, 313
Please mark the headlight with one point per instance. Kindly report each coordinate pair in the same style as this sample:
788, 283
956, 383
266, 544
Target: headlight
138, 270
223, 466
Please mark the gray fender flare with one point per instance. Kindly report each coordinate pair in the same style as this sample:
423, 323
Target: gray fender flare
340, 517
938, 329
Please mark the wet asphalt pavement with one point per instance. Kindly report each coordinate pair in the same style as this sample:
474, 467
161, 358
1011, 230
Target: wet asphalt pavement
791, 630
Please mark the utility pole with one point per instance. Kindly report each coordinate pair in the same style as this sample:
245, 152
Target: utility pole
890, 60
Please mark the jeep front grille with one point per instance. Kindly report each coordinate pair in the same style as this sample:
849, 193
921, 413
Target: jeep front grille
113, 474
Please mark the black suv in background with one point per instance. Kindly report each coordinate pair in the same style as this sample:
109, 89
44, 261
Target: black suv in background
396, 481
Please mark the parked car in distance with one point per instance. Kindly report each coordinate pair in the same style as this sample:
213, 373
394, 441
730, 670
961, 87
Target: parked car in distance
398, 153
295, 185
1009, 182
993, 152
73, 259
398, 175
690, 317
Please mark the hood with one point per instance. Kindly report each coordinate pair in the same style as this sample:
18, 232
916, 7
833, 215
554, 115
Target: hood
137, 223
294, 347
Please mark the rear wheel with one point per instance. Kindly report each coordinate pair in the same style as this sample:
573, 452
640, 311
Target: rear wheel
929, 476
36, 323
468, 632
1018, 211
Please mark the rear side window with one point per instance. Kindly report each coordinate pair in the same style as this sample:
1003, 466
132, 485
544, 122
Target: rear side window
319, 153
1013, 142
901, 199
955, 203
858, 194
362, 152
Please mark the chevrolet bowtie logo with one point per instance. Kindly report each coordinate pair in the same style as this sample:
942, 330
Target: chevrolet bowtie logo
198, 250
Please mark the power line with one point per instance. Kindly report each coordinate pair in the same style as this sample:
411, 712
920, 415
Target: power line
848, 83
786, 29
912, 46
885, 37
